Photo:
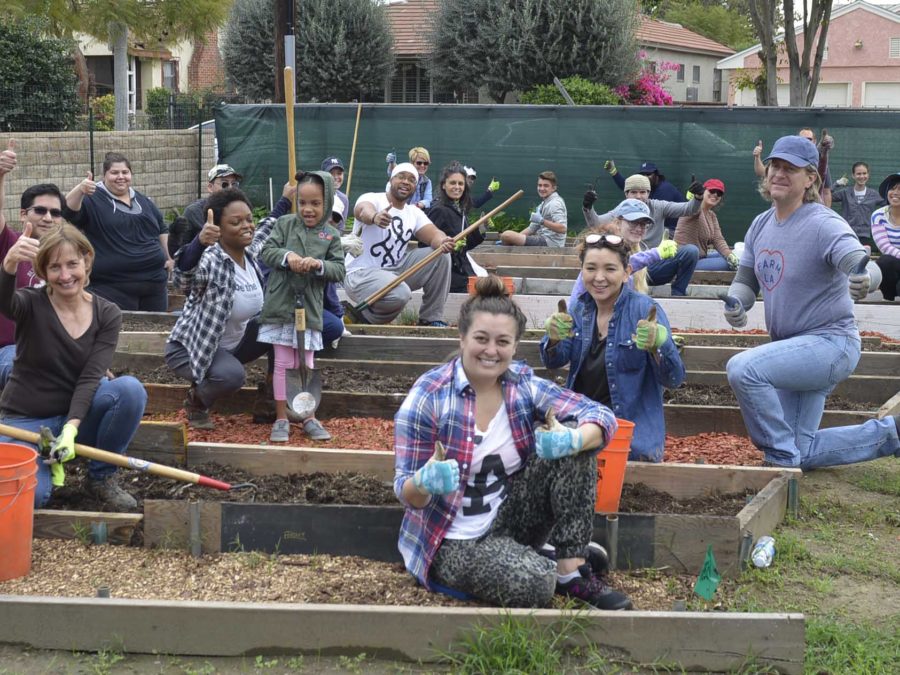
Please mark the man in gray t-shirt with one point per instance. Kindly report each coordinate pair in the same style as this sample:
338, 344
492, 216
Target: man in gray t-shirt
548, 223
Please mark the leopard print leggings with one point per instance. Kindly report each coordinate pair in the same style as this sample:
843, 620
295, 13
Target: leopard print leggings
502, 567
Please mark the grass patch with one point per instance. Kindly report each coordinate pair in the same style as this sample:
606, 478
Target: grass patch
833, 647
882, 477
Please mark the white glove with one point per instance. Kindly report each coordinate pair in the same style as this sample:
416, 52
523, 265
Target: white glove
735, 314
352, 244
842, 181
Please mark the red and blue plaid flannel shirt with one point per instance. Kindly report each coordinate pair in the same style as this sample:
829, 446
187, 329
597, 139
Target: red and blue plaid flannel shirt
441, 407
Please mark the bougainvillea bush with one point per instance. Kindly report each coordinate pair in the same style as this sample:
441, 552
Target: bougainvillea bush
647, 88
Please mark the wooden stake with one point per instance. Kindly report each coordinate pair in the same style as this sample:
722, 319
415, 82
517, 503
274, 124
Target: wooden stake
353, 152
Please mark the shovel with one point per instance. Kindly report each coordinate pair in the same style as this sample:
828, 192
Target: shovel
303, 384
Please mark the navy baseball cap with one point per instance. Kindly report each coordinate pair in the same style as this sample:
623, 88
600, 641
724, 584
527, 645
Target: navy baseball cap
332, 163
887, 184
797, 150
648, 167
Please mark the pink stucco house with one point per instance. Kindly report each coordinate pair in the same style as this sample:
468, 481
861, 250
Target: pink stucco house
860, 68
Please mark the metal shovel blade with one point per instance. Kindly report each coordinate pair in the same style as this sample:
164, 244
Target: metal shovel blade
303, 385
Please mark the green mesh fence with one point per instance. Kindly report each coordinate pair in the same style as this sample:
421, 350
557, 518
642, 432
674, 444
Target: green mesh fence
515, 143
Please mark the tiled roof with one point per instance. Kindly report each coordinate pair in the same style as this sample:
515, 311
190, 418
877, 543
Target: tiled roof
665, 34
410, 23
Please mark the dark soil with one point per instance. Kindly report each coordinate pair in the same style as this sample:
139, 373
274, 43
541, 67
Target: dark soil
340, 488
721, 394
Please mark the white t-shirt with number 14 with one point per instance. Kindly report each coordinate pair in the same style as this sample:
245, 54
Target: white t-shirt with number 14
386, 247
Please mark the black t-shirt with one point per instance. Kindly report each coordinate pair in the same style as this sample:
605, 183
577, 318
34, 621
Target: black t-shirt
591, 379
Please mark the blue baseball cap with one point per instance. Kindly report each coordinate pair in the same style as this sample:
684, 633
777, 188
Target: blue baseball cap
332, 163
632, 209
887, 184
648, 167
797, 150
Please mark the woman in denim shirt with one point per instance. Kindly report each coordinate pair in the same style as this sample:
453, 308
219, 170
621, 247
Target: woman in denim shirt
617, 353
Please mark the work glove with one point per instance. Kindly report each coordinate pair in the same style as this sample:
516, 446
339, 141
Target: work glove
459, 245
827, 141
62, 450
437, 478
494, 185
610, 167
536, 218
859, 285
391, 158
843, 181
589, 198
696, 190
733, 261
555, 441
649, 335
558, 326
352, 244
735, 314
667, 249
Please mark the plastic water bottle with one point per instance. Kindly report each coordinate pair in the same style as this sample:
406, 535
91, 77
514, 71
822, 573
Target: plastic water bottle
763, 552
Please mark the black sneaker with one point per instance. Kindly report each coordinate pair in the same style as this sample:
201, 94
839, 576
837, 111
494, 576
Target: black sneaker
197, 415
597, 557
592, 590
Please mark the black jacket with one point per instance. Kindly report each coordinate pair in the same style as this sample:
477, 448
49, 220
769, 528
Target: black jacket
451, 222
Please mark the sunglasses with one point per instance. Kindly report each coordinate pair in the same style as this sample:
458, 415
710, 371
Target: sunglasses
716, 193
603, 239
43, 211
422, 162
637, 224
230, 183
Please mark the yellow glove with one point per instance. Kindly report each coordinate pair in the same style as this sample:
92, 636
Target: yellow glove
650, 336
62, 450
667, 249
494, 185
558, 326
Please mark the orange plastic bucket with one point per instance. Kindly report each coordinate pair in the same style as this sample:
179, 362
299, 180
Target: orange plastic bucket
18, 479
611, 462
507, 281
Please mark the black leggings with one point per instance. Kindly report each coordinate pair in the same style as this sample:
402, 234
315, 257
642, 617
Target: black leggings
132, 296
890, 276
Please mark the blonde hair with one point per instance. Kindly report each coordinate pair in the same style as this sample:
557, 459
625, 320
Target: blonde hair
419, 152
810, 195
65, 234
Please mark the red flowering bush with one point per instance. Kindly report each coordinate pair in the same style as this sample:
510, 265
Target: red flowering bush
647, 89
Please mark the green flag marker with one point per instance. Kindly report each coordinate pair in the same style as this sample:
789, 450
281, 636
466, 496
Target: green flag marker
709, 578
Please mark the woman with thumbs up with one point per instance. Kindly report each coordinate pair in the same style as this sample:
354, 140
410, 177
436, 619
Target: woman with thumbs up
617, 344
129, 235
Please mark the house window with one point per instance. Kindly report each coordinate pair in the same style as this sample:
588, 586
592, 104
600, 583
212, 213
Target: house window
410, 84
895, 48
825, 52
170, 75
679, 76
717, 85
696, 75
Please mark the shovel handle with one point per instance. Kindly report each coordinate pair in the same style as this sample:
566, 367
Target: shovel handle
122, 460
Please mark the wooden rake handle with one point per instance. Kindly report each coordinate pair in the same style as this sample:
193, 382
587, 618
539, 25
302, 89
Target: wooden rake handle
377, 295
121, 460
291, 142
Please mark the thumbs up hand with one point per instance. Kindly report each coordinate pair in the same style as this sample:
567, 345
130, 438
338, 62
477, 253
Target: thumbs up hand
209, 235
757, 151
8, 160
88, 186
24, 250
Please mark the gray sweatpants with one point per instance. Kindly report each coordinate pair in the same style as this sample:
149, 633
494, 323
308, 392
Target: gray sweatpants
503, 567
433, 279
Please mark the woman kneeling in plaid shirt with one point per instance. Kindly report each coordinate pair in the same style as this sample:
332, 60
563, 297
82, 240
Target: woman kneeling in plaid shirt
477, 519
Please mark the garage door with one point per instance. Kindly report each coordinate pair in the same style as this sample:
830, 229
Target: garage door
828, 94
882, 94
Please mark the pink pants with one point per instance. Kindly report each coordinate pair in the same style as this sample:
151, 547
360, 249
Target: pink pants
285, 358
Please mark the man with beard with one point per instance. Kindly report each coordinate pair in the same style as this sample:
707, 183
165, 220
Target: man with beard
388, 224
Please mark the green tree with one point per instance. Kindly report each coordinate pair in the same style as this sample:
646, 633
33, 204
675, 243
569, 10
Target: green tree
344, 49
727, 26
582, 91
38, 88
508, 45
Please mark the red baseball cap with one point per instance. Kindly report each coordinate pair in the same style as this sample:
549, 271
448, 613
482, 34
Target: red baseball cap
715, 184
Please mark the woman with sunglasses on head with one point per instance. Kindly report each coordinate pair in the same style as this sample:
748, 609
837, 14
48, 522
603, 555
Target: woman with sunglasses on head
449, 213
703, 231
619, 352
810, 268
480, 508
422, 195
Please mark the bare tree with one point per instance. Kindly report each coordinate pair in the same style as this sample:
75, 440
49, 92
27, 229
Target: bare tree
805, 74
764, 16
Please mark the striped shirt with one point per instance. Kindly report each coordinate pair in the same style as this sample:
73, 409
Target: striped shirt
441, 407
885, 233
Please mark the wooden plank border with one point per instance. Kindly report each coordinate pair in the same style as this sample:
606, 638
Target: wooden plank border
714, 641
53, 524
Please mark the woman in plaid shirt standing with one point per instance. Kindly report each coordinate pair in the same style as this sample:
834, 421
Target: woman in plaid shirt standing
477, 517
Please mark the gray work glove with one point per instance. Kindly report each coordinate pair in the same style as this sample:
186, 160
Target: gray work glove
735, 314
859, 285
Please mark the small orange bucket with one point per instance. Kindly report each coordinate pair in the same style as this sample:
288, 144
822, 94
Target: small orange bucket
611, 462
507, 281
18, 479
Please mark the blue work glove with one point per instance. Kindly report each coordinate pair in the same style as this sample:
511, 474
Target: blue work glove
557, 442
735, 314
391, 158
437, 478
536, 218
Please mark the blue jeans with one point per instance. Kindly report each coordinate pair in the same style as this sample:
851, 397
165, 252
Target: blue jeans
678, 270
110, 424
7, 356
332, 327
781, 388
713, 262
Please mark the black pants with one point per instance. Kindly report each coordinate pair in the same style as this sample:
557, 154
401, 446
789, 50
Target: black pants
132, 296
890, 276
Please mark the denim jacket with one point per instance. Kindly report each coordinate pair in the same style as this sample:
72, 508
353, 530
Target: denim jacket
636, 378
